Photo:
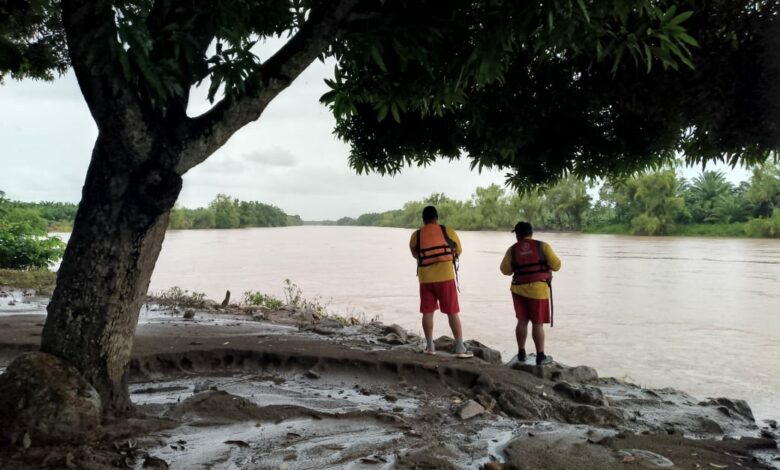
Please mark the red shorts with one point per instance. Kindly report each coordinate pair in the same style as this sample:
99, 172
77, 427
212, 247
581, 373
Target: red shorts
435, 294
536, 310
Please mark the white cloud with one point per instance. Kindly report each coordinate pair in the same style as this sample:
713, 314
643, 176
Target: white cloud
275, 156
289, 157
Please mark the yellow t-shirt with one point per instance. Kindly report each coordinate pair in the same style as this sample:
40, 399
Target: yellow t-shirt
437, 272
533, 290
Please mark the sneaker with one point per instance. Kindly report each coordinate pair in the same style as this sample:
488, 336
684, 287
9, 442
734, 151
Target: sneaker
543, 360
521, 357
464, 355
430, 352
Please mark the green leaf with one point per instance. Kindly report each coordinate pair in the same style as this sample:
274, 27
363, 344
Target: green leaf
688, 39
377, 56
396, 114
681, 17
382, 112
649, 58
584, 9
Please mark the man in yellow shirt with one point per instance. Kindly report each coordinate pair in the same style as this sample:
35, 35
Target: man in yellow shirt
436, 249
530, 263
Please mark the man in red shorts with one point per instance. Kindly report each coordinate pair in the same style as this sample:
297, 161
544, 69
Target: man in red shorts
530, 263
436, 249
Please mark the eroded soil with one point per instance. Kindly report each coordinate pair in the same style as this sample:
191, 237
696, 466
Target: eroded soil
226, 391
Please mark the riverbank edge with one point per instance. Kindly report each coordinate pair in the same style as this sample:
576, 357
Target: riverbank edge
310, 321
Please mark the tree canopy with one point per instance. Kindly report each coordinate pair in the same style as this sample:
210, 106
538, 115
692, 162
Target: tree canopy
540, 89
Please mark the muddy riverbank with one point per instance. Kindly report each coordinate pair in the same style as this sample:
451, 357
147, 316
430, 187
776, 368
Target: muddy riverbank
285, 389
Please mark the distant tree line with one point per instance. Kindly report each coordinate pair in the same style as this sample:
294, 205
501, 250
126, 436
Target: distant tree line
222, 212
227, 212
657, 202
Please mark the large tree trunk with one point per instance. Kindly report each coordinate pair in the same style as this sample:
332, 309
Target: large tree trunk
105, 273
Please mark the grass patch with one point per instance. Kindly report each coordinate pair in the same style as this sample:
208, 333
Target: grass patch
175, 297
261, 300
736, 229
40, 280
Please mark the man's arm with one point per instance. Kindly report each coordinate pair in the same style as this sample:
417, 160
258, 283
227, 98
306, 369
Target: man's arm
413, 244
506, 263
454, 237
552, 259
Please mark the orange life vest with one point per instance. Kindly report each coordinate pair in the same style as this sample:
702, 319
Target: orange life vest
434, 245
529, 263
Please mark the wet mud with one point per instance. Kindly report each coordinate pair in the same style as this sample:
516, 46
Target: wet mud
224, 391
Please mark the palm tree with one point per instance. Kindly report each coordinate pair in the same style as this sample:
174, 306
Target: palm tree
706, 192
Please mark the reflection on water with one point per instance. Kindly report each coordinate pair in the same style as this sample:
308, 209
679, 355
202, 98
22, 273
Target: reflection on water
696, 314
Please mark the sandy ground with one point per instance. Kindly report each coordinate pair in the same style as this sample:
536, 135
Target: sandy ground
221, 391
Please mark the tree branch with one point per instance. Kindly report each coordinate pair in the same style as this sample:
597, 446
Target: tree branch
91, 35
190, 18
209, 131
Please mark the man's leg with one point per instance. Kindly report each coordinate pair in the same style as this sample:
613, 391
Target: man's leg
457, 329
540, 317
537, 332
457, 333
448, 299
427, 324
521, 333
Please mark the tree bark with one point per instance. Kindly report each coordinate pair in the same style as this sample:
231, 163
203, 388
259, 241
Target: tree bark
105, 273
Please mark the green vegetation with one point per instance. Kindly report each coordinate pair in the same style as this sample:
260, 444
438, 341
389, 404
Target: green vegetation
55, 216
657, 202
227, 212
222, 212
175, 297
261, 300
23, 241
42, 281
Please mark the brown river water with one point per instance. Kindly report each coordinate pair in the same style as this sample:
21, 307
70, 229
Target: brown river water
701, 315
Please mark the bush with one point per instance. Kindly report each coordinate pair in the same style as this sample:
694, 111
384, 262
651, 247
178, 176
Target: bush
261, 300
646, 225
764, 227
24, 245
175, 297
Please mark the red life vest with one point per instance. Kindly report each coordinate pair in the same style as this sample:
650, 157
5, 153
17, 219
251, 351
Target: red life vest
529, 262
434, 245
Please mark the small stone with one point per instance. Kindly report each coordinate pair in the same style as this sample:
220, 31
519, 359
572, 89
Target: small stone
492, 466
330, 323
393, 339
155, 462
237, 443
396, 330
312, 374
583, 394
189, 314
391, 397
771, 422
469, 410
711, 426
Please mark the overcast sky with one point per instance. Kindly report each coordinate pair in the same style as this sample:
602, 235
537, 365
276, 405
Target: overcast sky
288, 158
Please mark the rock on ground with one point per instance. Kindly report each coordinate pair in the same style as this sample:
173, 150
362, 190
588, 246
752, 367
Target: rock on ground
470, 409
447, 344
45, 401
